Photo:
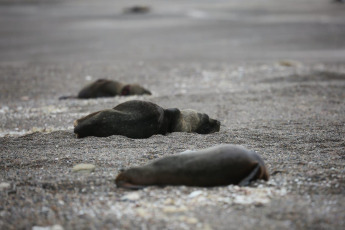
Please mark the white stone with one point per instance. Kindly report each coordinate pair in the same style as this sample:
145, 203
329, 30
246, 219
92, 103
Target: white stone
195, 194
53, 227
133, 196
4, 185
173, 209
84, 168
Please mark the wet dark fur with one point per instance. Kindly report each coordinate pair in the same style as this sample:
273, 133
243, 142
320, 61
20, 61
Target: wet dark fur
216, 166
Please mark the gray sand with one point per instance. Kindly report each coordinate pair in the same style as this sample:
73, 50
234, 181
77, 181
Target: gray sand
281, 95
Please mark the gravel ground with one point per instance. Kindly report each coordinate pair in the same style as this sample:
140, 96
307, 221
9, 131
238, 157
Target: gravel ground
290, 111
293, 116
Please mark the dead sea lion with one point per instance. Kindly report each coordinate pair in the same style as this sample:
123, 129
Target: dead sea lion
137, 9
108, 88
142, 119
216, 166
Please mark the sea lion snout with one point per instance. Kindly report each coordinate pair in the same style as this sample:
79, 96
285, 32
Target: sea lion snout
207, 124
215, 124
192, 121
135, 89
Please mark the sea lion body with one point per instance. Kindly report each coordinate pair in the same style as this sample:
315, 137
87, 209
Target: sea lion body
137, 9
101, 88
108, 88
134, 119
216, 166
141, 119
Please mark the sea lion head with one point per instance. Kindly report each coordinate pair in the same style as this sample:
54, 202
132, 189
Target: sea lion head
134, 178
193, 121
134, 89
95, 124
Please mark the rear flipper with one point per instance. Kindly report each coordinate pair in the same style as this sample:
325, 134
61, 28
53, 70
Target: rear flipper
251, 176
67, 97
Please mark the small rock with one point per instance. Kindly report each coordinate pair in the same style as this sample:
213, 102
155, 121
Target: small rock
188, 220
172, 209
25, 98
251, 199
195, 194
207, 227
142, 212
4, 185
9, 188
169, 201
133, 196
53, 227
289, 63
225, 200
84, 168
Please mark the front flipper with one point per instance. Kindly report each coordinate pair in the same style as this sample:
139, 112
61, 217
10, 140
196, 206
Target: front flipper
127, 185
251, 176
67, 97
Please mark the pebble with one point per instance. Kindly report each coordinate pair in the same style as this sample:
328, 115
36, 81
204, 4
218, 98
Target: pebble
142, 212
172, 209
84, 168
4, 185
189, 220
9, 188
53, 227
25, 98
256, 199
195, 194
133, 196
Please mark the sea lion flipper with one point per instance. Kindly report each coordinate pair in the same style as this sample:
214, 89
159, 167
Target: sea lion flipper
67, 97
127, 185
251, 176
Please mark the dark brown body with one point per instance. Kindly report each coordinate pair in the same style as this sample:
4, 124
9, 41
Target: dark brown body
142, 119
108, 88
216, 166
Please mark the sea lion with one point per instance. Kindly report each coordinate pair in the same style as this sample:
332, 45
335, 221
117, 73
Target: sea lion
216, 166
108, 88
142, 119
137, 10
